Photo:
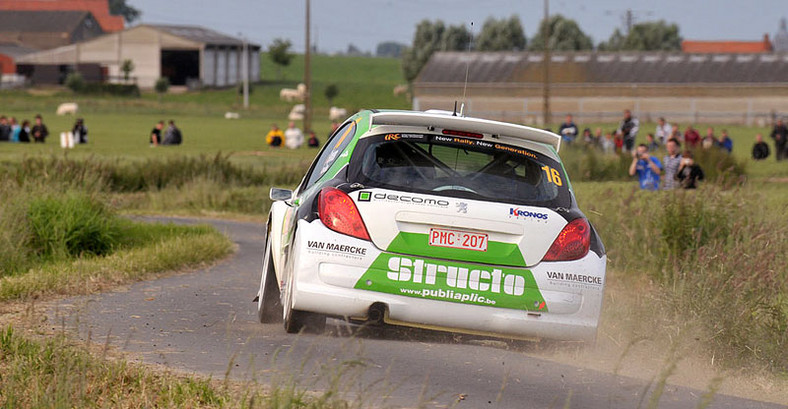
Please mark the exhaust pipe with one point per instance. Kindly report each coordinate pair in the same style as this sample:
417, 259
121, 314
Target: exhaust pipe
377, 313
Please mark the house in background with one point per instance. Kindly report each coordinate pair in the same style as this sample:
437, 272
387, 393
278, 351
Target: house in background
41, 30
187, 55
98, 8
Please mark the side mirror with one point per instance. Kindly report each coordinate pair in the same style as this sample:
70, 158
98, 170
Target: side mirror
276, 194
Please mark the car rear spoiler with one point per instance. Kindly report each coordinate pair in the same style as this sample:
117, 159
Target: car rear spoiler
459, 123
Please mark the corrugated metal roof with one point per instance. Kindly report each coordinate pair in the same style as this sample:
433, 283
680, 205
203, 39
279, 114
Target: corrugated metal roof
41, 21
14, 51
591, 67
200, 35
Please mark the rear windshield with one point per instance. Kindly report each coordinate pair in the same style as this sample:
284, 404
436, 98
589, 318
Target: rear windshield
460, 167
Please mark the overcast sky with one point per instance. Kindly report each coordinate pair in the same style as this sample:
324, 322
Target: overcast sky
365, 23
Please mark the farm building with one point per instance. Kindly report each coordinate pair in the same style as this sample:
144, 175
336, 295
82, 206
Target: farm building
41, 30
186, 55
596, 86
99, 9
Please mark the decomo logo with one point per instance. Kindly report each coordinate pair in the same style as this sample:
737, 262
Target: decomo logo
515, 211
411, 199
419, 271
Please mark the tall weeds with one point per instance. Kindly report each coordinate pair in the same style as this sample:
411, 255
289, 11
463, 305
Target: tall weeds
718, 256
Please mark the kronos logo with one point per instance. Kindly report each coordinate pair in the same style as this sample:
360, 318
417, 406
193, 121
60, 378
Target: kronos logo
516, 212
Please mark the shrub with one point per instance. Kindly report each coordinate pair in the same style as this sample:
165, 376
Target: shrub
162, 85
70, 226
75, 82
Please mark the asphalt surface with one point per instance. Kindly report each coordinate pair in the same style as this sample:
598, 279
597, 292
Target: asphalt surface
205, 322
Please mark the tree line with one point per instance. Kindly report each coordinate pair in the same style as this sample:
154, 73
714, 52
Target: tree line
507, 34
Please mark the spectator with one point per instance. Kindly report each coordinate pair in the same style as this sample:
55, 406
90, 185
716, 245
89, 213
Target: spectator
588, 138
40, 131
172, 136
677, 133
689, 173
568, 130
672, 162
618, 142
780, 136
24, 132
709, 141
726, 142
760, 150
598, 137
647, 167
274, 137
294, 138
608, 144
629, 130
651, 143
155, 134
663, 132
15, 130
5, 129
691, 137
80, 131
334, 126
313, 142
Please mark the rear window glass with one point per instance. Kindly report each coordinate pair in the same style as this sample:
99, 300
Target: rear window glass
460, 167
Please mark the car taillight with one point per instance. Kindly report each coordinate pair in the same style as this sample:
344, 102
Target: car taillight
572, 243
339, 213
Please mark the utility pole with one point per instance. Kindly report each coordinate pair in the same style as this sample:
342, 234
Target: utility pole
245, 60
546, 62
629, 20
307, 78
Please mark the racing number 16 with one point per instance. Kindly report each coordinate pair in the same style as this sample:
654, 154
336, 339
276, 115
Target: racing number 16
552, 175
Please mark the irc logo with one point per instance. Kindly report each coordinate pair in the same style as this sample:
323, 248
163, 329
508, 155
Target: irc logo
516, 212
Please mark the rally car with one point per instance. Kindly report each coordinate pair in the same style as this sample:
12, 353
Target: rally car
434, 220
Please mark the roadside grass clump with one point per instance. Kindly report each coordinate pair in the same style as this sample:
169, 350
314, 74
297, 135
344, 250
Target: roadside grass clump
53, 373
718, 264
171, 185
71, 226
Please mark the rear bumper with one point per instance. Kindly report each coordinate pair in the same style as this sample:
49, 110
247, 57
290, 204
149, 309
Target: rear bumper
347, 275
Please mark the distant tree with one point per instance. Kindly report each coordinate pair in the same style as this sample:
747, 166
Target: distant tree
501, 35
565, 35
431, 37
127, 67
455, 38
389, 49
279, 52
161, 86
648, 36
120, 8
331, 92
353, 50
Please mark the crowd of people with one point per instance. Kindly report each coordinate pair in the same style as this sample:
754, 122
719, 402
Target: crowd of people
172, 135
678, 168
12, 131
292, 137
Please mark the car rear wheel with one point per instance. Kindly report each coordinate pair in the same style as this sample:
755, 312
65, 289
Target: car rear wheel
296, 321
269, 306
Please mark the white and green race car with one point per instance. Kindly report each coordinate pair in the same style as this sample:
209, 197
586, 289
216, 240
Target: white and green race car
432, 220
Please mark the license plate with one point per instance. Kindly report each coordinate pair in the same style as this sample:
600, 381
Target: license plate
458, 239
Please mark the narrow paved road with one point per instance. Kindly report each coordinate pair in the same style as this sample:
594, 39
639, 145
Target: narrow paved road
205, 322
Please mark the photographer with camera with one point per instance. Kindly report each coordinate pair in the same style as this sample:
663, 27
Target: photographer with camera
647, 167
689, 173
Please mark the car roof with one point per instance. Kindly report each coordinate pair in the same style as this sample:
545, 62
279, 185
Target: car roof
446, 120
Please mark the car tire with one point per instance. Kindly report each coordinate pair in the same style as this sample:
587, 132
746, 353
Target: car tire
297, 321
269, 305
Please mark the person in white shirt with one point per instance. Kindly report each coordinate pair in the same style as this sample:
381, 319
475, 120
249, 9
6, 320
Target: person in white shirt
663, 132
294, 138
